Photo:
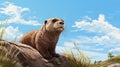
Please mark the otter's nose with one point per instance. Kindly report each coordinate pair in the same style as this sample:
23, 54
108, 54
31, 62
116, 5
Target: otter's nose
61, 23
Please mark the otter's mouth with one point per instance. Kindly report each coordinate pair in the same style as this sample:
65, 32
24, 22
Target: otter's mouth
60, 28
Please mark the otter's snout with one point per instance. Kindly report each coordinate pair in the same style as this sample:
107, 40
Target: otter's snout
62, 23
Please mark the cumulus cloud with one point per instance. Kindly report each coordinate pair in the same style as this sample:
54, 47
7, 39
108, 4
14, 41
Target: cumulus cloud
86, 18
69, 44
11, 33
115, 50
14, 14
95, 56
110, 35
97, 26
65, 46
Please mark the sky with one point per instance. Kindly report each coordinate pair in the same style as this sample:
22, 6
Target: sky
93, 24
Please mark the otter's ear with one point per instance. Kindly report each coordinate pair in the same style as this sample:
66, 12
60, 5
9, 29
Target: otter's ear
45, 22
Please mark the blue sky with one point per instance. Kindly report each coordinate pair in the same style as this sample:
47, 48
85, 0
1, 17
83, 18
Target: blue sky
94, 25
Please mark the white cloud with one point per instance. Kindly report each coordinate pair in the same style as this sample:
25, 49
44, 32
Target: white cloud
97, 26
106, 33
86, 18
10, 33
86, 43
69, 44
14, 14
96, 56
66, 46
115, 50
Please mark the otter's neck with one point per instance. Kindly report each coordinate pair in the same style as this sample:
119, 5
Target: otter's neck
50, 36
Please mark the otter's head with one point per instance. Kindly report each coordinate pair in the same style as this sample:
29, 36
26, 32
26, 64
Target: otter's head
54, 24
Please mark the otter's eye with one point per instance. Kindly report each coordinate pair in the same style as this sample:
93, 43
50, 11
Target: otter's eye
54, 20
45, 22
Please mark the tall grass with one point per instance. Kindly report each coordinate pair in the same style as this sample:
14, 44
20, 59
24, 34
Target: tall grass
2, 30
8, 57
77, 58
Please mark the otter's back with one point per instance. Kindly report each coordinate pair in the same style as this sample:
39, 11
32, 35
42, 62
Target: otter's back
29, 38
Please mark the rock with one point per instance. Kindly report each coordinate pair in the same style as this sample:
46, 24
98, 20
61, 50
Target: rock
49, 65
30, 57
114, 65
61, 61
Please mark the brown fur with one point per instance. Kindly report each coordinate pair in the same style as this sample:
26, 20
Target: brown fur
45, 40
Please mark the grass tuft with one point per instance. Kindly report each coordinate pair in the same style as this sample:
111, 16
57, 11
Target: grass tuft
8, 58
77, 58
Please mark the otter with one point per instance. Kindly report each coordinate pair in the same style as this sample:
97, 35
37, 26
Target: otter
45, 39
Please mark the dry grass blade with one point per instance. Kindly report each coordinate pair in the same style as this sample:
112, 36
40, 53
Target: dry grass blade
77, 58
2, 32
7, 57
